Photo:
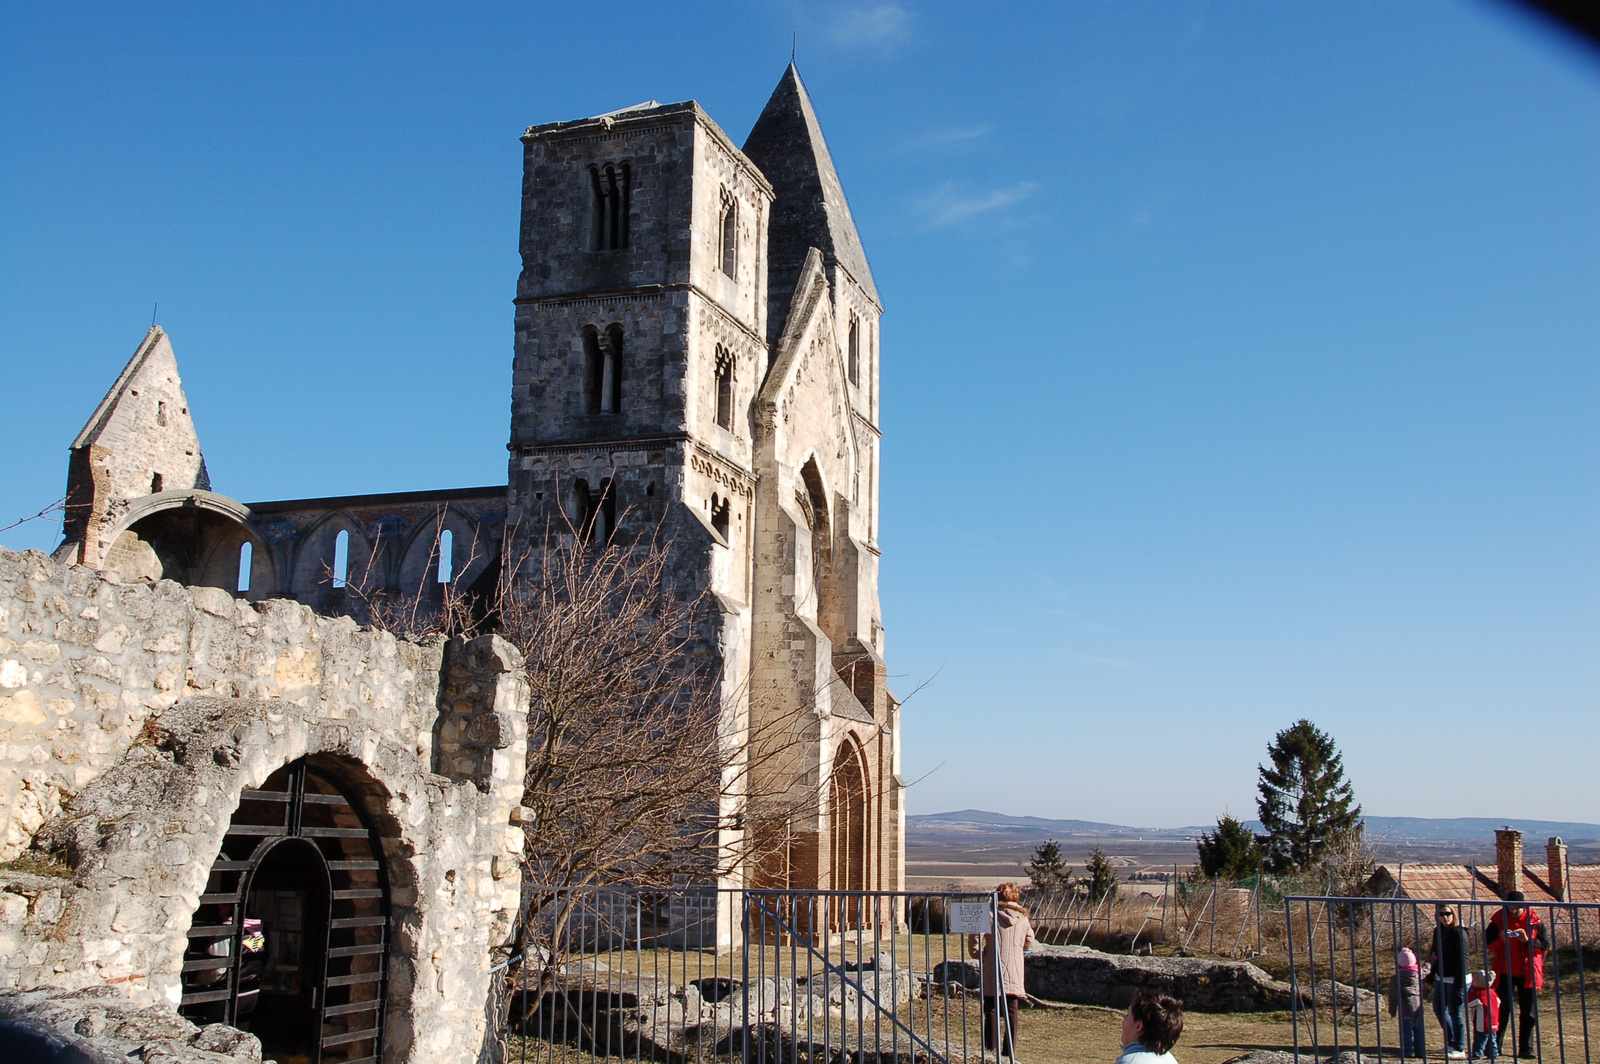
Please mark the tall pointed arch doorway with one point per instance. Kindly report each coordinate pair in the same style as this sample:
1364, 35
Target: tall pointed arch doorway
848, 831
289, 940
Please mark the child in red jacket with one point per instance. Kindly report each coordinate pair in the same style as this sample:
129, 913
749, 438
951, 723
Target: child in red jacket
1483, 1015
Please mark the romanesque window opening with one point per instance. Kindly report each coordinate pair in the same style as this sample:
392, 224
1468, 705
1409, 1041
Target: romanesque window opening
290, 937
341, 558
724, 388
853, 363
161, 413
595, 510
602, 370
446, 567
720, 510
730, 234
246, 550
612, 191
157, 483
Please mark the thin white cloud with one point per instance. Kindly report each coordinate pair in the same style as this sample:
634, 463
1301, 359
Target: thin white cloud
947, 207
881, 25
944, 135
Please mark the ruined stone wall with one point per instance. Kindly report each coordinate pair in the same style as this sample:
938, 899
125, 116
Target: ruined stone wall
133, 715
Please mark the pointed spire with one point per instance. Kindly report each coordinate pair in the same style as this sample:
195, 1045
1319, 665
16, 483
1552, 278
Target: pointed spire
810, 208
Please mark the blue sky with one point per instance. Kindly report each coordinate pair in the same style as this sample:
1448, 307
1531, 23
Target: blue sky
1239, 361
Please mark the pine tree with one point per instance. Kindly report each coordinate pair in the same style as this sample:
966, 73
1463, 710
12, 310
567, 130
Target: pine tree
1305, 803
1101, 877
1047, 870
1230, 852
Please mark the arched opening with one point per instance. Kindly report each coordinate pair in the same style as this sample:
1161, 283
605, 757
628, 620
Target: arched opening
341, 558
446, 567
730, 234
289, 939
848, 830
724, 380
246, 553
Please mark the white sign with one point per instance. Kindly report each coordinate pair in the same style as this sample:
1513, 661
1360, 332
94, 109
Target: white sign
970, 917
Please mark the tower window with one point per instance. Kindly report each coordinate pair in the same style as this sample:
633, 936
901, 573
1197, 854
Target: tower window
730, 234
161, 413
246, 552
447, 543
611, 186
341, 558
724, 388
157, 483
853, 349
596, 511
719, 514
602, 376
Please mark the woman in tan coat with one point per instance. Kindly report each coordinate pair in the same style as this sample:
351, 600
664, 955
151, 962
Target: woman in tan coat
1016, 937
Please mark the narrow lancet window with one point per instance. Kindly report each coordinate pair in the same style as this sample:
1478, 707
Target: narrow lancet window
730, 235
447, 543
341, 558
246, 552
724, 388
853, 357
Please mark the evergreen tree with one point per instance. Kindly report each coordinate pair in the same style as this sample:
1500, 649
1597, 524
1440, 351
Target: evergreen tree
1047, 870
1305, 803
1230, 852
1102, 877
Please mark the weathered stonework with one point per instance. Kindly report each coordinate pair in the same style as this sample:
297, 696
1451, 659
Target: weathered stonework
135, 715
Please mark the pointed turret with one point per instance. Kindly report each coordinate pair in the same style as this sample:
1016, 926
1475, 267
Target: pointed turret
140, 440
810, 209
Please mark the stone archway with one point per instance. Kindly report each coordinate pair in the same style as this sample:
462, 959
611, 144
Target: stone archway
295, 918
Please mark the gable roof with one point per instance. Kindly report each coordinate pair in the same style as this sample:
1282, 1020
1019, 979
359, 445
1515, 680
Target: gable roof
154, 345
810, 210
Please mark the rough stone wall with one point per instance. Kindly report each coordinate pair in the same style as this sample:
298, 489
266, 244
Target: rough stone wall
133, 715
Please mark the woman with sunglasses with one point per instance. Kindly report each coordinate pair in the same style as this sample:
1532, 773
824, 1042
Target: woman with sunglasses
1449, 967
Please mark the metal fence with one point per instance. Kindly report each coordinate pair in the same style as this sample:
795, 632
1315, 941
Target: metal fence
1342, 961
762, 977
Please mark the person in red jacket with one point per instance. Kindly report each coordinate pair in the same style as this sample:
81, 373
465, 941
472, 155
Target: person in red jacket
1517, 942
1483, 1015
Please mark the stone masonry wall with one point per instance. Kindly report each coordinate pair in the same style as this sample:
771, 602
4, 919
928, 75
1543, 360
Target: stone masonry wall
133, 715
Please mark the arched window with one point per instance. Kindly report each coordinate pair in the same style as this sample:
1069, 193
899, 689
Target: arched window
246, 551
447, 558
602, 374
853, 362
611, 186
605, 514
730, 234
724, 388
341, 558
719, 514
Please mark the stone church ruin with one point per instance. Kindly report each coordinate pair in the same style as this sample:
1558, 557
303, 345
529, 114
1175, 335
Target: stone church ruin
228, 796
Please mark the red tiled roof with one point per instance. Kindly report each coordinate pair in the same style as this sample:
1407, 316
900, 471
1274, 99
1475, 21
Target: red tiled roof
1465, 882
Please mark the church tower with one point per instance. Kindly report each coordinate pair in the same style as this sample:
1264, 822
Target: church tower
696, 346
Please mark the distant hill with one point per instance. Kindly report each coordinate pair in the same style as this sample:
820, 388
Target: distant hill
1474, 831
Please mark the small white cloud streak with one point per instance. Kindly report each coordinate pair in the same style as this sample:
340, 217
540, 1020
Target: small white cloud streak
881, 25
948, 135
946, 208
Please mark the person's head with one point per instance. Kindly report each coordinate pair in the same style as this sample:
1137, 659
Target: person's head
1446, 915
1009, 892
1153, 1020
1406, 961
1483, 979
1516, 901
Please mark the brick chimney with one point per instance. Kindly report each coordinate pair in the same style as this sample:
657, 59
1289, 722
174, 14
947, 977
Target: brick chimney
1508, 852
1556, 853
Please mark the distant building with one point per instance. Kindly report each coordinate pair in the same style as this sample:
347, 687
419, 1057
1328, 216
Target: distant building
1555, 880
